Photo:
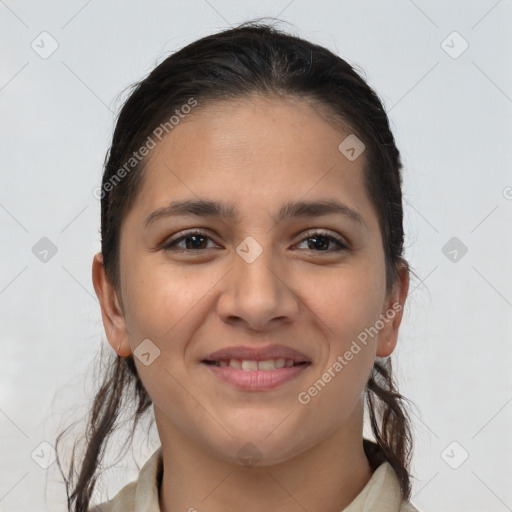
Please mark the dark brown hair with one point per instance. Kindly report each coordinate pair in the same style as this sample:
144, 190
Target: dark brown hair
252, 58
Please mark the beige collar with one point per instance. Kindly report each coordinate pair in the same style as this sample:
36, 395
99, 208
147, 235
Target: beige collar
380, 494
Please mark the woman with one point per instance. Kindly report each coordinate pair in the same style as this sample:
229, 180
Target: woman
252, 284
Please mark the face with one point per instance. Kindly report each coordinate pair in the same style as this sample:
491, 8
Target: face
311, 282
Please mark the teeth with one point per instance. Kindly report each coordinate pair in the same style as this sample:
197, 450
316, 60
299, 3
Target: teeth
266, 365
251, 365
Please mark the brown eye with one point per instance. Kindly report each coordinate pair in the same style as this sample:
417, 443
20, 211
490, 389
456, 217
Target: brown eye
321, 241
318, 241
194, 241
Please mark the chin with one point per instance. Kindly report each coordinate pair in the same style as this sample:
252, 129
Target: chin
255, 448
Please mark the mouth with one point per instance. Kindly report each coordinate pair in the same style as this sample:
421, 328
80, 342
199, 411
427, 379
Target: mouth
250, 358
252, 365
259, 369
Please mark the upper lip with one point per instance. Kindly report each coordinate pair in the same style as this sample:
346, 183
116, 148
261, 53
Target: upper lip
258, 354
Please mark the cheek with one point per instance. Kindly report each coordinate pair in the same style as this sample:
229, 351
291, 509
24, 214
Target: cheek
348, 300
161, 300
350, 306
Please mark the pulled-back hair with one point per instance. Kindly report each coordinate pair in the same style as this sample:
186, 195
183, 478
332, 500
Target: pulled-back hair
251, 58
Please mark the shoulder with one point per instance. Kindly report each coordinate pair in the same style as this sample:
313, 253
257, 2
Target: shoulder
382, 492
123, 501
141, 495
408, 507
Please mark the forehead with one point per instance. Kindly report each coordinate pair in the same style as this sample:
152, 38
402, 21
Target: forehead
254, 151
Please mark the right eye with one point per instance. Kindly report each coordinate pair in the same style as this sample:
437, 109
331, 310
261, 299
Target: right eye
196, 237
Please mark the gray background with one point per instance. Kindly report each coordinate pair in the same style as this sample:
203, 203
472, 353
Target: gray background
450, 111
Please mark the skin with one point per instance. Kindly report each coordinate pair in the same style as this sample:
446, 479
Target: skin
257, 152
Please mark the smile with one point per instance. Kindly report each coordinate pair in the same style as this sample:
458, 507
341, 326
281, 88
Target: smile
251, 375
253, 365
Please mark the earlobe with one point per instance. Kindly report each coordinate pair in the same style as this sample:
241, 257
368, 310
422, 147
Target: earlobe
111, 311
391, 316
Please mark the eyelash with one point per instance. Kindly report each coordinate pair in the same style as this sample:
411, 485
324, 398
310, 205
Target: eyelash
171, 245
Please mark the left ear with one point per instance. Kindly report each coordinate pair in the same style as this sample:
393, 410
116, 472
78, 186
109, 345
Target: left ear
392, 312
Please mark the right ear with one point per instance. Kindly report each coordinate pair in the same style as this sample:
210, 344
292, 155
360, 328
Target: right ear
111, 312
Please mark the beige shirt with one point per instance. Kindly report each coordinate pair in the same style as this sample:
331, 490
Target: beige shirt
381, 493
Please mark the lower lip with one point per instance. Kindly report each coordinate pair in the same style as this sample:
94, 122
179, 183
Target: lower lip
258, 379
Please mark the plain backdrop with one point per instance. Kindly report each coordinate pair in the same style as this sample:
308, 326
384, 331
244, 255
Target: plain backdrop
442, 70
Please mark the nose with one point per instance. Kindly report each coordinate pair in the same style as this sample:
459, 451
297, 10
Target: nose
258, 294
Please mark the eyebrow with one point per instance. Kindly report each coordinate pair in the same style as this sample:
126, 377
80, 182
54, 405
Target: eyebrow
227, 211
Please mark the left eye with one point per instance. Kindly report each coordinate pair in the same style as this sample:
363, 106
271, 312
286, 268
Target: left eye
327, 238
197, 241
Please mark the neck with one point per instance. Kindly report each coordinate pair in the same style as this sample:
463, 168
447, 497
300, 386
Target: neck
324, 478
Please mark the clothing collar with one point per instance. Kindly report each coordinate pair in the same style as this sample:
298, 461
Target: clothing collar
380, 494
